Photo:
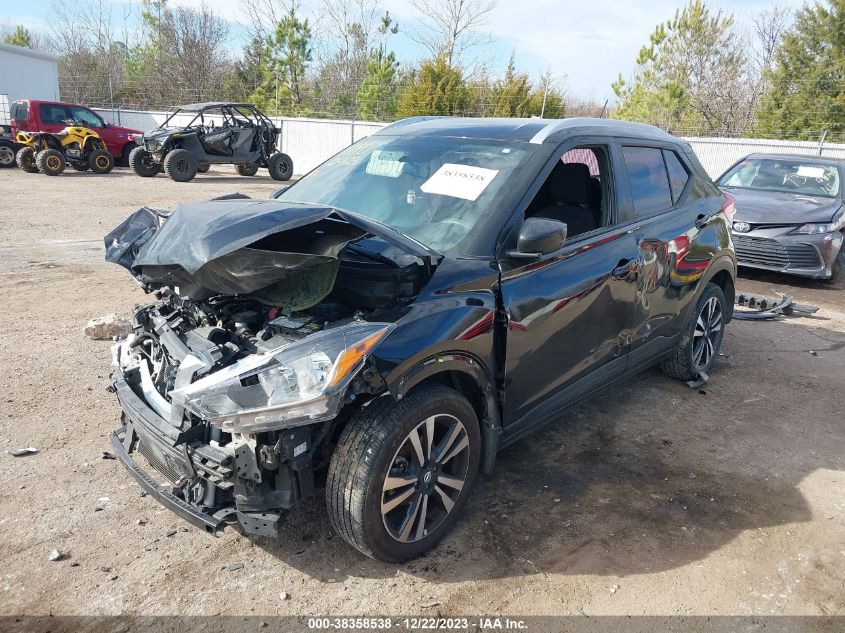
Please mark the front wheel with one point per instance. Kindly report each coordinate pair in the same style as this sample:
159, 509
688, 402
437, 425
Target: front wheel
50, 162
701, 339
280, 166
100, 161
143, 163
837, 281
26, 160
402, 471
180, 165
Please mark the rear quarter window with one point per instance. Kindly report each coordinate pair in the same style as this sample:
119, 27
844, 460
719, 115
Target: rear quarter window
647, 178
678, 175
19, 111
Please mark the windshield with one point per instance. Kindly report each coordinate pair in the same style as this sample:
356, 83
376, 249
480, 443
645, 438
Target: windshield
435, 190
786, 175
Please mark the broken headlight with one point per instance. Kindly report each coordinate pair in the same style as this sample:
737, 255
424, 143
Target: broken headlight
300, 383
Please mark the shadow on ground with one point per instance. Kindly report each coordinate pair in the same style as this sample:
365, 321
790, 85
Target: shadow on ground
649, 476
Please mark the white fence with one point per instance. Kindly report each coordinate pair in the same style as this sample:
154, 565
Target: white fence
311, 141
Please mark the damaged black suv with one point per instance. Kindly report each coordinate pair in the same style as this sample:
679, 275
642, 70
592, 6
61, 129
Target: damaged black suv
425, 297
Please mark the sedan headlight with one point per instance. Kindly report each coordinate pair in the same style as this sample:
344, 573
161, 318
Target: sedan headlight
297, 384
812, 229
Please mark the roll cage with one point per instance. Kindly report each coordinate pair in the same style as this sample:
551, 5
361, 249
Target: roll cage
233, 114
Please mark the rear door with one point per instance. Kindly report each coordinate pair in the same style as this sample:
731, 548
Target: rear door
569, 314
669, 207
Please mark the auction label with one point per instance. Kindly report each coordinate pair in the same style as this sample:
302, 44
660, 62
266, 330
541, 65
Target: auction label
459, 181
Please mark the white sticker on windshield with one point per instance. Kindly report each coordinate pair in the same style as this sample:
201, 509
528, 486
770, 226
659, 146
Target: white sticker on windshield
386, 164
459, 181
807, 171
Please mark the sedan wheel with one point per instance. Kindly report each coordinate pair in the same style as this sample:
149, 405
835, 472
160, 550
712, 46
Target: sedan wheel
425, 478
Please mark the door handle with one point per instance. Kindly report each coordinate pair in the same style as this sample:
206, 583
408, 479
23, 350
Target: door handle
702, 220
623, 268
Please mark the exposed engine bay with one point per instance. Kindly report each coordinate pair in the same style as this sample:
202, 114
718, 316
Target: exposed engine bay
234, 381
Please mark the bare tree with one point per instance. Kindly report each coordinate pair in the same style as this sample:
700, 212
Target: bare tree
451, 27
264, 15
769, 25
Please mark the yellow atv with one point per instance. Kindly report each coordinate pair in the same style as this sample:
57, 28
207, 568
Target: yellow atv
48, 153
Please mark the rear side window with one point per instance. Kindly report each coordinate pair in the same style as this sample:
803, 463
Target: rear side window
678, 175
52, 114
650, 191
19, 111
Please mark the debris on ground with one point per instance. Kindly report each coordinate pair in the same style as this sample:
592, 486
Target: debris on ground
57, 555
170, 533
107, 327
20, 452
698, 382
762, 308
108, 455
430, 605
142, 521
614, 588
102, 502
235, 567
284, 596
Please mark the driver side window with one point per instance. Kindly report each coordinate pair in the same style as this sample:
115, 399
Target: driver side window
85, 117
577, 191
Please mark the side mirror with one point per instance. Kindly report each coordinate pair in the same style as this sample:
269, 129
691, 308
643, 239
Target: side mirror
279, 191
537, 237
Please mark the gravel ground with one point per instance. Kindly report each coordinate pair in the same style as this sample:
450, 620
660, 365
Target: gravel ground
655, 499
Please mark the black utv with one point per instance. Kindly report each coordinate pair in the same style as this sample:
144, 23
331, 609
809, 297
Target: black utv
197, 135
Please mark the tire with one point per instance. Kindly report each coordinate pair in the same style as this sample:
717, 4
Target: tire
77, 166
26, 160
246, 169
180, 165
694, 355
280, 166
142, 163
837, 281
376, 445
203, 167
100, 161
7, 155
50, 162
124, 154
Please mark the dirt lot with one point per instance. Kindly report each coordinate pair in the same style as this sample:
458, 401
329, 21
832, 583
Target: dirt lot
657, 499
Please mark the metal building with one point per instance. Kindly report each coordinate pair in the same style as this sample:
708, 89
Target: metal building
28, 74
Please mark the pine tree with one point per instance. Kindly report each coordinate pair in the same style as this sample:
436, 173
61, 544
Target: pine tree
807, 87
435, 89
19, 37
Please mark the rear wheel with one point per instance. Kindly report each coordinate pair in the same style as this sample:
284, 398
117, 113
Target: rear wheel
142, 163
402, 471
100, 161
7, 155
180, 165
246, 169
203, 167
280, 166
50, 162
26, 160
701, 338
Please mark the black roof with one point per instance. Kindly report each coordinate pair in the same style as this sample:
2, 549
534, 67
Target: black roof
534, 130
196, 107
827, 160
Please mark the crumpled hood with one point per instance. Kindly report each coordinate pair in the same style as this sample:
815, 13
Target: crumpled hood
283, 253
773, 207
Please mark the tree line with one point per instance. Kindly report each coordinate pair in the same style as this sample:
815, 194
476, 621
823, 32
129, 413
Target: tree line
700, 72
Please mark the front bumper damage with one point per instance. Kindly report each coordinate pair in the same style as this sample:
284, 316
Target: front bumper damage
780, 250
207, 485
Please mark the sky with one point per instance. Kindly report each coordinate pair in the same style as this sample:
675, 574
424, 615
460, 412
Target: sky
585, 45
